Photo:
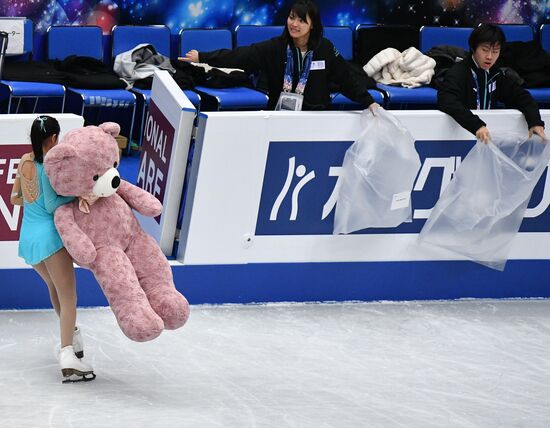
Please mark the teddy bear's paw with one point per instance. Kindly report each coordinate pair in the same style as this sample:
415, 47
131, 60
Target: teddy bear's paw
142, 325
172, 307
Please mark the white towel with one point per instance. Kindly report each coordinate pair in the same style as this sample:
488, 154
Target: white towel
409, 69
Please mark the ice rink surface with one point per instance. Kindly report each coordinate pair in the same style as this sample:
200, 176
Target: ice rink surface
472, 363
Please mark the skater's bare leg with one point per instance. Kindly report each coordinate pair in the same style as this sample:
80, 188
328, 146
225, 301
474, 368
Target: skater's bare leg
61, 271
43, 272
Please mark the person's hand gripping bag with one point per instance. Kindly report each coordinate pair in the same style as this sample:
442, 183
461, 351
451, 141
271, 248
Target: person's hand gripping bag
481, 210
378, 175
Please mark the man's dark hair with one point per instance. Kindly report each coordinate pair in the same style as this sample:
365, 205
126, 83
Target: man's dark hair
302, 9
486, 33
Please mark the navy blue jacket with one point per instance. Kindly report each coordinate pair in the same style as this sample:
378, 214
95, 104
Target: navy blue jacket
269, 57
459, 94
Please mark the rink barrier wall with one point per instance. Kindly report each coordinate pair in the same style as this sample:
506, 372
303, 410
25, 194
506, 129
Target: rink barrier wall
310, 282
231, 250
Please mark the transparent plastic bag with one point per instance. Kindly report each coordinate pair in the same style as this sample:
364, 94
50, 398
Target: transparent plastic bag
481, 210
378, 174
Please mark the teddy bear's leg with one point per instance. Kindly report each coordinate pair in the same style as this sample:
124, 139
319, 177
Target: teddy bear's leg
155, 277
116, 276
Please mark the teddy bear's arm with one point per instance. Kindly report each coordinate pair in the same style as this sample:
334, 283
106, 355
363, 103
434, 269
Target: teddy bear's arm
77, 243
140, 200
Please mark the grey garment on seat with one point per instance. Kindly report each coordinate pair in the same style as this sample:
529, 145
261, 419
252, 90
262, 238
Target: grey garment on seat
140, 62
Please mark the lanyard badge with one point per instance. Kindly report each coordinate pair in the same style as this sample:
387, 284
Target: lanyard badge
477, 90
488, 89
287, 83
289, 100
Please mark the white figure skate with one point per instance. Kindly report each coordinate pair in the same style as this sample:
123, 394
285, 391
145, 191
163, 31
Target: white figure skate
78, 344
73, 369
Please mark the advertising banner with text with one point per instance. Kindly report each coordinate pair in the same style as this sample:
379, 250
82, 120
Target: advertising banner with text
266, 184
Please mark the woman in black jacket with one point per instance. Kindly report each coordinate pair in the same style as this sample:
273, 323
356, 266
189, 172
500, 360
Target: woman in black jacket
300, 61
476, 84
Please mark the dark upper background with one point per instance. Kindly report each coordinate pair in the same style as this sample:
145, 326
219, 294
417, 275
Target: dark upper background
178, 14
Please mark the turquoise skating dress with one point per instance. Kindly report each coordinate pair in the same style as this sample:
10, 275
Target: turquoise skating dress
39, 238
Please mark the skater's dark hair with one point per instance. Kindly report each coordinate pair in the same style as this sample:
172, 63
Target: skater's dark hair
486, 33
303, 9
43, 127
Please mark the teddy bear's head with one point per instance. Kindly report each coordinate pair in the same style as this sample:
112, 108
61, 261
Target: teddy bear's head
84, 162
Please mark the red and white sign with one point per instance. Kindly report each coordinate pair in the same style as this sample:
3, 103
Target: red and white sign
10, 215
14, 142
158, 138
166, 138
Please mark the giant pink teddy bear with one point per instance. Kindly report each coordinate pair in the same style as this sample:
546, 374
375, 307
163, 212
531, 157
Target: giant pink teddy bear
101, 232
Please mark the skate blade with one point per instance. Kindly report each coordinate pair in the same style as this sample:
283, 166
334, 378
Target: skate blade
72, 376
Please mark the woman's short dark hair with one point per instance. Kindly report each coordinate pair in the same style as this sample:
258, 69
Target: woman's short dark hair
486, 33
42, 128
302, 9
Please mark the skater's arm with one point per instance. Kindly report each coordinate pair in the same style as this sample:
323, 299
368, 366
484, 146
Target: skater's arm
16, 197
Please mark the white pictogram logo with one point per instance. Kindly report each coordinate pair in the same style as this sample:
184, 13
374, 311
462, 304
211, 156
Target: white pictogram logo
300, 171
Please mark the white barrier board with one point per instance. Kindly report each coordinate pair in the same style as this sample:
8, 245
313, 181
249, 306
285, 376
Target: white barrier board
166, 138
263, 188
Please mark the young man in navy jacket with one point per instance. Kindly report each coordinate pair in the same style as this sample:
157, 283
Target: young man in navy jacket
477, 84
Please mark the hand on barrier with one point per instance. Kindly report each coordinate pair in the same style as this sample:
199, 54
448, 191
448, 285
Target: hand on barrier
538, 130
373, 108
191, 56
483, 134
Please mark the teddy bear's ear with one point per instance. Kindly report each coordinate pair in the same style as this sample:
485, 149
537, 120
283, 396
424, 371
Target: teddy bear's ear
111, 128
56, 164
59, 153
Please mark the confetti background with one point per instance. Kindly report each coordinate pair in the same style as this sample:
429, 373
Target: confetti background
179, 14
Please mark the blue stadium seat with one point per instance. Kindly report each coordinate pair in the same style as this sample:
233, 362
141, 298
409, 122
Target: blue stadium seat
19, 90
205, 42
64, 41
342, 102
517, 32
545, 37
226, 98
245, 35
127, 37
433, 36
541, 95
342, 39
524, 33
400, 97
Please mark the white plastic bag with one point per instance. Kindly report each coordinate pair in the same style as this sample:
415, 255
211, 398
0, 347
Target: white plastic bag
481, 210
377, 176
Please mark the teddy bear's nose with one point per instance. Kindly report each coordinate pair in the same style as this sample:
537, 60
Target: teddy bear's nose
115, 182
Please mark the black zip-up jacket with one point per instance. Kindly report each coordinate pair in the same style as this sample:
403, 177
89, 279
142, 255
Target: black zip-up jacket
459, 94
269, 57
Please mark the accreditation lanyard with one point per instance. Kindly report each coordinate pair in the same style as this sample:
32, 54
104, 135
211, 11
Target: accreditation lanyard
489, 84
304, 74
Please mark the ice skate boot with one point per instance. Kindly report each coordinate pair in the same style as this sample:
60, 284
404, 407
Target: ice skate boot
78, 344
73, 369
